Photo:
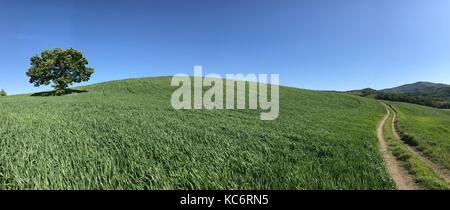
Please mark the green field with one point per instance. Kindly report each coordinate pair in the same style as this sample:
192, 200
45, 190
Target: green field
423, 174
125, 135
428, 129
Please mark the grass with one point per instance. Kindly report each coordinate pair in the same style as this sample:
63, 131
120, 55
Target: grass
125, 135
423, 174
426, 128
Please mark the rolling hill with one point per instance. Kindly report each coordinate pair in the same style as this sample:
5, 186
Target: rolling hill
427, 129
423, 93
417, 88
408, 135
125, 135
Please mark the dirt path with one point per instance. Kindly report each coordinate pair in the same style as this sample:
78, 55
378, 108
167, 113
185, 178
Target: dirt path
438, 169
403, 180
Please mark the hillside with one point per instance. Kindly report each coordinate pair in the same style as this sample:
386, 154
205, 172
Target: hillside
417, 88
125, 135
422, 93
434, 94
428, 129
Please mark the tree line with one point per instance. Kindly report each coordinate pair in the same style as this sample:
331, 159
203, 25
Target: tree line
414, 98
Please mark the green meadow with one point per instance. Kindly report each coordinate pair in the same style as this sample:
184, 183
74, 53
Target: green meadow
423, 174
125, 135
426, 128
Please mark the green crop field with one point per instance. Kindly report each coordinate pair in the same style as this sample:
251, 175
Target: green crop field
125, 135
429, 129
423, 174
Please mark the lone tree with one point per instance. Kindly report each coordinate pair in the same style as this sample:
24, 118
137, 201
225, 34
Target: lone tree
60, 67
2, 92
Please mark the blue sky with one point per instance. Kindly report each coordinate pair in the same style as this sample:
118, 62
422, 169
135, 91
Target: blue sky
313, 44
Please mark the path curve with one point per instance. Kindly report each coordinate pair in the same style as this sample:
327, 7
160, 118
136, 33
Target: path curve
402, 179
438, 169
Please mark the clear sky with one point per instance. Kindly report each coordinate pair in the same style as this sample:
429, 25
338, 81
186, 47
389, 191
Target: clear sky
313, 44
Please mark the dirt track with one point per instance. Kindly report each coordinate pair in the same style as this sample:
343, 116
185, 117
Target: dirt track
403, 180
439, 170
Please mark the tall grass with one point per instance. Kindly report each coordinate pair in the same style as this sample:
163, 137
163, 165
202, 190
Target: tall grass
426, 128
423, 174
125, 135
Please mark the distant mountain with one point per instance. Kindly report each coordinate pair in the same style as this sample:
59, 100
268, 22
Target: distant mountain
417, 88
424, 93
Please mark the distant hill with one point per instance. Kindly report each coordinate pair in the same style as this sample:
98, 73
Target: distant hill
366, 92
418, 88
423, 93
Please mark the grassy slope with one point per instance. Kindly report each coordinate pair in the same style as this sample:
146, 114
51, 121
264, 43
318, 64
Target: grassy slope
423, 174
125, 135
430, 129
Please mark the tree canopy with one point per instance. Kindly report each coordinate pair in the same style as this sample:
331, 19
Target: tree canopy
60, 67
